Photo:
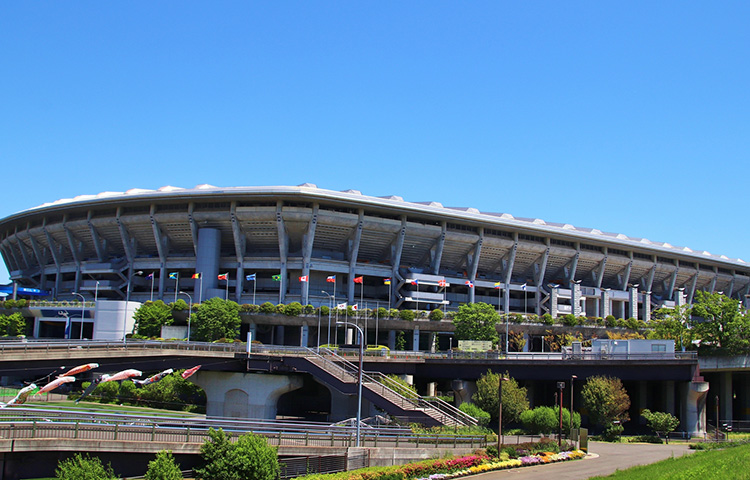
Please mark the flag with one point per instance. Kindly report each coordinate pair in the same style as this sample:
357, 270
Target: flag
250, 277
303, 278
386, 281
331, 279
497, 284
441, 283
354, 307
469, 283
223, 276
150, 275
196, 275
340, 306
414, 282
523, 287
276, 278
358, 279
174, 275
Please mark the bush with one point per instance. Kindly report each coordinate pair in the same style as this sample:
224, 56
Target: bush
249, 458
179, 305
613, 432
407, 315
163, 467
393, 313
382, 312
516, 318
324, 310
294, 309
541, 420
632, 324
249, 308
21, 303
476, 412
645, 439
569, 320
280, 308
83, 467
620, 323
610, 321
268, 307
309, 309
547, 319
436, 315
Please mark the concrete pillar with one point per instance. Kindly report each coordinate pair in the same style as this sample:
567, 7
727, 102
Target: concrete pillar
433, 341
432, 389
606, 309
669, 406
694, 418
679, 297
207, 263
415, 340
726, 397
621, 310
349, 336
244, 395
253, 330
646, 306
553, 302
392, 339
304, 335
279, 336
463, 390
527, 341
407, 378
642, 400
633, 294
575, 299
344, 407
744, 394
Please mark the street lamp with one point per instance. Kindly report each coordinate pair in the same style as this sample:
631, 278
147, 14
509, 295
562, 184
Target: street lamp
500, 411
83, 304
359, 374
560, 386
572, 379
330, 301
190, 312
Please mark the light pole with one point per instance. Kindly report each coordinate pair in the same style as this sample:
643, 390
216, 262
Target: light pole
572, 379
560, 386
190, 312
359, 375
331, 300
83, 304
500, 411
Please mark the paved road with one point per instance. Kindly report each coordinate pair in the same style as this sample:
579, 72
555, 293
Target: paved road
607, 458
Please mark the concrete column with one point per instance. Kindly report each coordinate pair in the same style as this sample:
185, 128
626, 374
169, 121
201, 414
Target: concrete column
647, 306
432, 389
463, 390
606, 308
392, 339
349, 336
694, 419
669, 406
726, 397
621, 309
679, 297
433, 337
527, 341
575, 299
244, 395
279, 337
407, 378
597, 308
303, 335
553, 302
253, 329
633, 294
415, 339
207, 262
744, 385
642, 400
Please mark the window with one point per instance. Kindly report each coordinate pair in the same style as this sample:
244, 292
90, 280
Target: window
659, 347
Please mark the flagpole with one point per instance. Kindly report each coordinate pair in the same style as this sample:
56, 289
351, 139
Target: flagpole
337, 315
152, 286
377, 317
226, 295
200, 291
176, 286
255, 283
417, 298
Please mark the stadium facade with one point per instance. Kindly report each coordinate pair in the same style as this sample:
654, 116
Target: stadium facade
284, 244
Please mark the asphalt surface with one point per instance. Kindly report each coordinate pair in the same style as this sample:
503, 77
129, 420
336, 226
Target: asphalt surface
604, 459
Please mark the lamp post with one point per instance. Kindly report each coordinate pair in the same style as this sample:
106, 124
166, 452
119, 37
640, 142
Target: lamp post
83, 304
560, 386
359, 375
190, 312
572, 378
331, 300
500, 411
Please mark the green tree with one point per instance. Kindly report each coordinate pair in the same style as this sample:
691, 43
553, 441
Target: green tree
12, 325
476, 412
217, 318
515, 398
672, 324
250, 458
476, 321
150, 317
163, 467
83, 467
541, 420
401, 340
720, 325
606, 400
661, 422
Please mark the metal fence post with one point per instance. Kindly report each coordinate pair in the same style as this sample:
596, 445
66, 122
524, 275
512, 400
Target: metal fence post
116, 428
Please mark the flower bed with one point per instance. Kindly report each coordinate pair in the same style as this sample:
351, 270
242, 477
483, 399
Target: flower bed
525, 461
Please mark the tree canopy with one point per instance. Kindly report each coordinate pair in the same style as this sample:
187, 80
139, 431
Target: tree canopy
719, 324
150, 317
249, 458
606, 400
476, 321
83, 467
515, 398
661, 422
216, 318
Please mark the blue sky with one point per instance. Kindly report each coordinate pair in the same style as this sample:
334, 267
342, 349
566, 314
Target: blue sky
629, 117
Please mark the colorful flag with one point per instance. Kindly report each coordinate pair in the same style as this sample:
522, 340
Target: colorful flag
354, 307
150, 275
386, 281
223, 276
497, 284
469, 283
303, 278
523, 287
441, 283
250, 277
340, 306
196, 275
331, 279
358, 280
174, 275
414, 282
276, 278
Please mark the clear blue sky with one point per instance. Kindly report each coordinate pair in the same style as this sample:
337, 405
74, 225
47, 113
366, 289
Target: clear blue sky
630, 117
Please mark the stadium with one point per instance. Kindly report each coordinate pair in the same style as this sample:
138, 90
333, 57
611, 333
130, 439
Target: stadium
317, 246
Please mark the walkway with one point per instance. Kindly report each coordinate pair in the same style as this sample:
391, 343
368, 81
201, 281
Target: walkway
610, 457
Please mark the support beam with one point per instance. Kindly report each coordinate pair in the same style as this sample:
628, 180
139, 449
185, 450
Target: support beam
55, 256
473, 262
283, 250
437, 257
96, 239
625, 277
673, 280
353, 252
509, 273
691, 289
539, 271
127, 243
570, 269
76, 248
22, 249
730, 290
396, 248
714, 280
193, 227
307, 247
648, 282
159, 237
598, 272
240, 244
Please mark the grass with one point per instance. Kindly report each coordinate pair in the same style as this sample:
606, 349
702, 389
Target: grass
726, 464
88, 407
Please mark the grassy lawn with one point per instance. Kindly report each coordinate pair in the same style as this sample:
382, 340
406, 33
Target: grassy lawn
727, 464
111, 408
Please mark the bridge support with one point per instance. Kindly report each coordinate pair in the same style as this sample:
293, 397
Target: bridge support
244, 395
463, 390
694, 416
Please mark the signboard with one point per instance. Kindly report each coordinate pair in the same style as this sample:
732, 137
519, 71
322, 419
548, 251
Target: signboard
474, 345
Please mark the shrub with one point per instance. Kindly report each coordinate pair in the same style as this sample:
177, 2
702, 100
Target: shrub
516, 318
249, 458
179, 305
610, 321
532, 318
476, 412
280, 308
407, 315
9, 304
393, 313
645, 439
631, 323
324, 309
163, 467
309, 309
547, 319
294, 309
268, 307
21, 303
83, 467
613, 432
436, 315
540, 420
382, 312
569, 320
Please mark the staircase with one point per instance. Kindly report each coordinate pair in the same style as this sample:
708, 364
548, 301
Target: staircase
384, 392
